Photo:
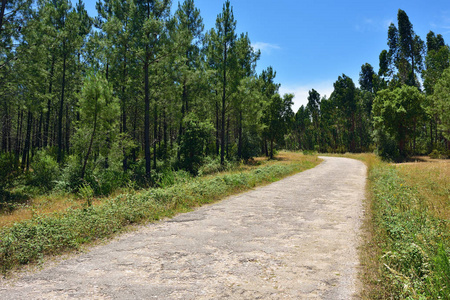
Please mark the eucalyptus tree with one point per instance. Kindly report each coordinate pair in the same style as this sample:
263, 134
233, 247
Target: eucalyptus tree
395, 113
441, 99
366, 77
345, 100
436, 61
404, 61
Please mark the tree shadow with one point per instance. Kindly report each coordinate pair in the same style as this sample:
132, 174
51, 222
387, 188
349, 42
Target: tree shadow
9, 202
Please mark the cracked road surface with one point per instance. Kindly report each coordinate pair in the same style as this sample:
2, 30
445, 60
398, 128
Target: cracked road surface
293, 239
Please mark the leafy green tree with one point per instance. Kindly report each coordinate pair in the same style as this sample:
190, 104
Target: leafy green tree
277, 118
222, 44
345, 100
245, 78
313, 107
441, 99
395, 112
193, 143
188, 38
99, 110
149, 43
366, 77
302, 121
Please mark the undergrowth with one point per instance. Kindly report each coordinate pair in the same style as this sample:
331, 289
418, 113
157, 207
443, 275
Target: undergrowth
414, 243
30, 240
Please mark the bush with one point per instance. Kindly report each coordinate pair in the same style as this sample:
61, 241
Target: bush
45, 171
70, 178
251, 142
9, 170
436, 154
193, 143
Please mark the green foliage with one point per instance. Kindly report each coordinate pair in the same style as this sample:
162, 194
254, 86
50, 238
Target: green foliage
415, 256
251, 143
70, 179
9, 169
87, 193
277, 118
193, 143
442, 103
396, 114
45, 171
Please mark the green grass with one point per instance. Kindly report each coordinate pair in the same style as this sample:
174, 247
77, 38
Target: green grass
51, 234
413, 243
406, 239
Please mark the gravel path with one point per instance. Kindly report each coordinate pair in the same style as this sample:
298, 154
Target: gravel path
293, 239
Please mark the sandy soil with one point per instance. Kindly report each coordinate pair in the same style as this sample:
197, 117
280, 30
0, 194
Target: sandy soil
293, 239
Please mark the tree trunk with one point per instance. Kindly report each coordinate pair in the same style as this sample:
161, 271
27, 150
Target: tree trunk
240, 135
26, 148
271, 148
165, 132
155, 133
49, 104
38, 144
217, 128
5, 127
222, 142
18, 145
124, 112
61, 107
147, 121
67, 133
86, 158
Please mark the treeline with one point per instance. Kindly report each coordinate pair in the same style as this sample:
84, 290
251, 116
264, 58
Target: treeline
402, 110
125, 95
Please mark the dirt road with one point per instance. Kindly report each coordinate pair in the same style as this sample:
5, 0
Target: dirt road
293, 239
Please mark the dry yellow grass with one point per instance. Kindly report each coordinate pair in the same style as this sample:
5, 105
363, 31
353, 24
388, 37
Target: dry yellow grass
432, 180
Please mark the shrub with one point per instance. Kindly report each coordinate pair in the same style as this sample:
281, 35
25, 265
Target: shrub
70, 178
251, 142
45, 171
193, 143
9, 169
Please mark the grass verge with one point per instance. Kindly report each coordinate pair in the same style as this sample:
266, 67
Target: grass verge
51, 234
406, 239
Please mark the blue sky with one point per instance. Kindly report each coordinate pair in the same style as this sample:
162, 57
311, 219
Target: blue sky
311, 42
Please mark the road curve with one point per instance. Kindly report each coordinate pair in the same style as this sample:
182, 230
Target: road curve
293, 239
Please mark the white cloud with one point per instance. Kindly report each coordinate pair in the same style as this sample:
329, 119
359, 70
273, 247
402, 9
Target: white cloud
301, 92
265, 47
369, 25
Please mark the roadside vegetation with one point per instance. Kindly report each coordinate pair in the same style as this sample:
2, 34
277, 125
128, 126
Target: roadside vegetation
36, 235
406, 233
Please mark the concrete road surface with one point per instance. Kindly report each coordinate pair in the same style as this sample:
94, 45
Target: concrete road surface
293, 239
